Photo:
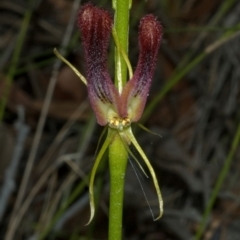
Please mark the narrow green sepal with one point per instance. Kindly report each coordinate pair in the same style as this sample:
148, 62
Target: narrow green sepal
123, 53
148, 130
109, 138
130, 135
58, 54
123, 138
100, 139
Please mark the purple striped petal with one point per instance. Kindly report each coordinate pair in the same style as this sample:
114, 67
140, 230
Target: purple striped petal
95, 25
136, 90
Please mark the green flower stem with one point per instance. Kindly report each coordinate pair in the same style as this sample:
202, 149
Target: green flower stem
117, 163
118, 154
121, 23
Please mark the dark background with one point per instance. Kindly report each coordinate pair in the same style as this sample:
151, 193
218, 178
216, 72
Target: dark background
48, 134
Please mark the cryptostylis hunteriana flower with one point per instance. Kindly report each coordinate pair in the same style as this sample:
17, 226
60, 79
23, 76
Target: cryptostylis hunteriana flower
113, 108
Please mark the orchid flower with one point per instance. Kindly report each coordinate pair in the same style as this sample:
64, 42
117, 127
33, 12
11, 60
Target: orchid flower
117, 109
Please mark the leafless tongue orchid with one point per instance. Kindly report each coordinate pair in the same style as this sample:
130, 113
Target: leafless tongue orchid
114, 109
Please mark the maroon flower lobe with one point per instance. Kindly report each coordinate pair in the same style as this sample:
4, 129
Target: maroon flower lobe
95, 25
136, 90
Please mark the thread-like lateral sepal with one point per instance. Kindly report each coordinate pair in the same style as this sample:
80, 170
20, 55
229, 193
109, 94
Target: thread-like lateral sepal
95, 25
137, 89
133, 140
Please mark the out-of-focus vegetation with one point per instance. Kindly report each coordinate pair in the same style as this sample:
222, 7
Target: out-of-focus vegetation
48, 135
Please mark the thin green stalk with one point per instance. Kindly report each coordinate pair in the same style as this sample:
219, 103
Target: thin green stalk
220, 180
117, 164
15, 58
117, 152
121, 23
